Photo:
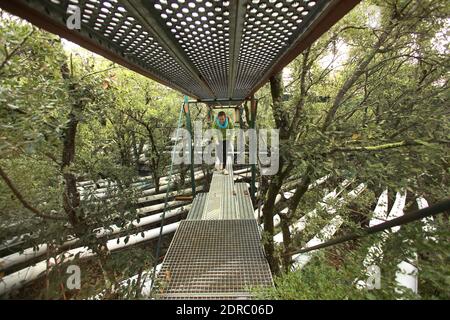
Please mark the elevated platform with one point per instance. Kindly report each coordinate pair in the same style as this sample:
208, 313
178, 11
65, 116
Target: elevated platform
218, 52
216, 252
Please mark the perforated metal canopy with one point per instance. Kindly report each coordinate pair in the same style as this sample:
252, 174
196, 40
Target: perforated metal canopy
207, 49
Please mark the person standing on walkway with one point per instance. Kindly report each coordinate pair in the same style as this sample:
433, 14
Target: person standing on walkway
223, 123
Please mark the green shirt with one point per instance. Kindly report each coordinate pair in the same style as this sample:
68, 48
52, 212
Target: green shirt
224, 134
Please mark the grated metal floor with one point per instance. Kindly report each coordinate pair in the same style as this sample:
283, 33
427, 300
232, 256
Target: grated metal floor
243, 201
214, 258
216, 252
198, 206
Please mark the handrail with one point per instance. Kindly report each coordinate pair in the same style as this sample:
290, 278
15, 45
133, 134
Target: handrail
169, 184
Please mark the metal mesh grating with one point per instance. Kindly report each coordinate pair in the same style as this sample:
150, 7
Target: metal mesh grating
201, 28
214, 202
269, 28
214, 258
243, 201
198, 206
205, 48
112, 26
221, 201
229, 196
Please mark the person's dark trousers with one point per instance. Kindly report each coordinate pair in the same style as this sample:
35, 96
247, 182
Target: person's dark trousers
224, 153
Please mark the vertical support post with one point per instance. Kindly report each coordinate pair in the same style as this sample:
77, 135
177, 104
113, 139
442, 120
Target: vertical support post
237, 116
253, 108
187, 113
210, 114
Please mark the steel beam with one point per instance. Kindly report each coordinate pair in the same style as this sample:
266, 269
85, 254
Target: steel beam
253, 109
215, 102
237, 17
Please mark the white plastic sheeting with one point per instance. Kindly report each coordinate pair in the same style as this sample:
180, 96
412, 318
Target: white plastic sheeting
300, 260
287, 195
407, 274
302, 222
20, 278
31, 253
145, 283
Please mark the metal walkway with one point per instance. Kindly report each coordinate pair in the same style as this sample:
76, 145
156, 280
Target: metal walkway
216, 252
218, 52
208, 49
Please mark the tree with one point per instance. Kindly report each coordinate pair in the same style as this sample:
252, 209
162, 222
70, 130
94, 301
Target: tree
383, 102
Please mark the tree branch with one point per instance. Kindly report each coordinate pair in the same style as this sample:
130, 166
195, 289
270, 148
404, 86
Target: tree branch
22, 200
12, 53
96, 72
381, 147
359, 70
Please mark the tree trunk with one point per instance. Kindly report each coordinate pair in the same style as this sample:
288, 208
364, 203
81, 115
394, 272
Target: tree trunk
286, 219
71, 197
285, 166
284, 224
274, 187
156, 179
